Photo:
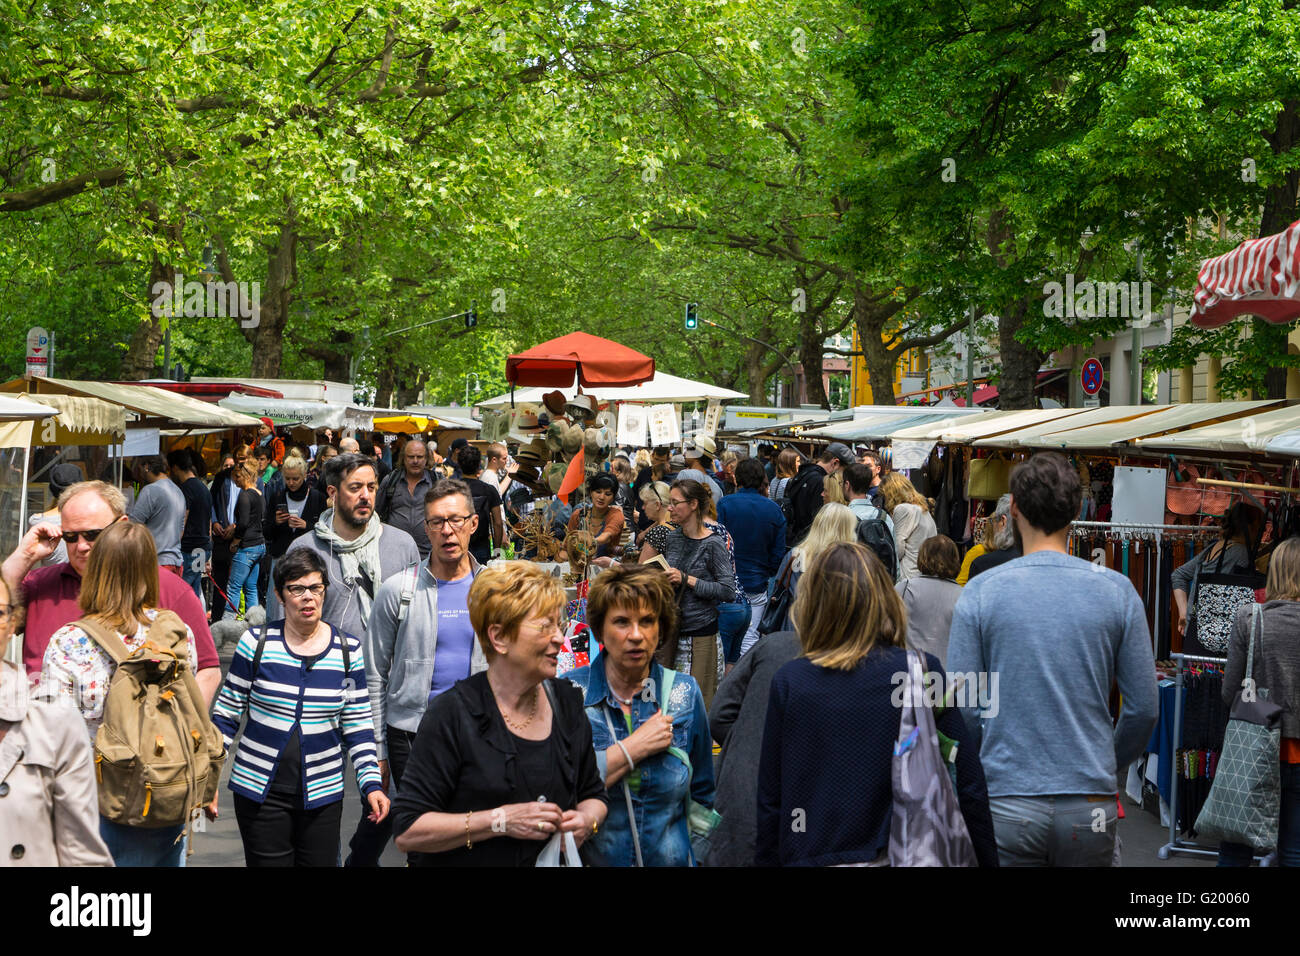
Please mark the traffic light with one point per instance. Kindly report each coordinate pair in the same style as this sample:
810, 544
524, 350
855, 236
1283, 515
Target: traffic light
692, 316
471, 317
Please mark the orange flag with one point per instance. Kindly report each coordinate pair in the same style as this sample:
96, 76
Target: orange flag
572, 476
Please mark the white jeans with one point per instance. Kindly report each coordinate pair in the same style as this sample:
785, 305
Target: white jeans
757, 605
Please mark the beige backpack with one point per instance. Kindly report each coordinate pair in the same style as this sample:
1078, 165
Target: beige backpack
158, 755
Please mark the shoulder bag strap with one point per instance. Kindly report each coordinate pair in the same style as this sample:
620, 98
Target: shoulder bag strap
1256, 633
666, 688
105, 638
347, 655
257, 655
627, 793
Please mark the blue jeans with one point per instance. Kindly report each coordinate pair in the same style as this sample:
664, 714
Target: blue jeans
1061, 830
757, 605
733, 621
195, 578
244, 567
1288, 830
138, 846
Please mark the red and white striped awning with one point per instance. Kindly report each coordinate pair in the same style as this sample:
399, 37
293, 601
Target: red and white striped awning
1260, 277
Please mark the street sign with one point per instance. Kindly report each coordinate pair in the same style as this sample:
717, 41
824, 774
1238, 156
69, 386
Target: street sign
39, 351
1092, 376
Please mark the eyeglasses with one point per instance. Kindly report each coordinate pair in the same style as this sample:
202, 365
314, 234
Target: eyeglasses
6, 612
70, 537
545, 627
676, 502
456, 521
298, 590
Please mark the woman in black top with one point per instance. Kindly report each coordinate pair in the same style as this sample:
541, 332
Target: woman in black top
503, 761
247, 542
292, 508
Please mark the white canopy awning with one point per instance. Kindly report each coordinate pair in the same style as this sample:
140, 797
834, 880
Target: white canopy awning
662, 388
1164, 420
154, 407
310, 414
1254, 434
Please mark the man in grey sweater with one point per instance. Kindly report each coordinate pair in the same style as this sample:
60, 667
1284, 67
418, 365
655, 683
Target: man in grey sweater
160, 508
1040, 640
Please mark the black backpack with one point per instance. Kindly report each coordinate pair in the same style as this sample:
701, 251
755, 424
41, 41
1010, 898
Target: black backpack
875, 534
786, 501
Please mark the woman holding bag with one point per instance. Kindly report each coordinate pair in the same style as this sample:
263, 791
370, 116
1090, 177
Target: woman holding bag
648, 725
503, 761
1276, 669
1233, 552
852, 628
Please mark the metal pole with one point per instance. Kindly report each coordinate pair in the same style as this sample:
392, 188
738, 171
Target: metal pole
970, 360
1135, 370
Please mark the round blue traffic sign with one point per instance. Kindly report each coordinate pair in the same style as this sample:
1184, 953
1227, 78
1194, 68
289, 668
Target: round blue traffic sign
1092, 376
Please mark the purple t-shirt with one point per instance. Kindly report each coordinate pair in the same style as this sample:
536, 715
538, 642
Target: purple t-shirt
455, 635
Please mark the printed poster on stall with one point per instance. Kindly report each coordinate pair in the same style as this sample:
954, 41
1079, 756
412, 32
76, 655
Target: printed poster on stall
664, 427
712, 418
632, 424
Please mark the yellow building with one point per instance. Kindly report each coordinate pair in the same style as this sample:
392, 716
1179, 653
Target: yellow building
912, 363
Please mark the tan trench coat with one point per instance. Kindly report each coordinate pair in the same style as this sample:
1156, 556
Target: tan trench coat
49, 806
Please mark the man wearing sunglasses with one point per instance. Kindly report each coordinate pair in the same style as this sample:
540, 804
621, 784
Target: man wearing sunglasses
420, 642
50, 594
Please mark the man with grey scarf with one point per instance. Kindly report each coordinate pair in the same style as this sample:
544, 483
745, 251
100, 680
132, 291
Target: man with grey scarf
359, 551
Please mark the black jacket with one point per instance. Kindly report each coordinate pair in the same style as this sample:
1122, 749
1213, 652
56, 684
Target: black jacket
805, 494
464, 759
280, 536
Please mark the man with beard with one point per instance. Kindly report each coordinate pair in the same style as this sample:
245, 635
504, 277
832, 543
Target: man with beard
359, 551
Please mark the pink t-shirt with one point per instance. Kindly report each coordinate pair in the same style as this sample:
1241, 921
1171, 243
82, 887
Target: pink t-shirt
50, 596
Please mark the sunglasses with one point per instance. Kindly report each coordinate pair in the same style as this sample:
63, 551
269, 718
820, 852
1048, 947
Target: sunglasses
70, 537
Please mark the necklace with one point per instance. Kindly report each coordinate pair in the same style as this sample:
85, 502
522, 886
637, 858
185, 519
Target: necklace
531, 714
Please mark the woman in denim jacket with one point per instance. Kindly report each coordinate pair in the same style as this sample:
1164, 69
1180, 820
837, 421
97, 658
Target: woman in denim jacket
641, 746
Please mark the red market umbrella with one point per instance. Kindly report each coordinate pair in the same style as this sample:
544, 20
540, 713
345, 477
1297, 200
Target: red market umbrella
1260, 277
597, 363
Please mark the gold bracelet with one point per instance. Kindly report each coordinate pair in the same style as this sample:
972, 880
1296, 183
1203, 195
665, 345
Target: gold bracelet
595, 827
469, 844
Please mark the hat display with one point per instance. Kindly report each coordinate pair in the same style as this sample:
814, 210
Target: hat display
701, 446
554, 402
571, 443
842, 452
530, 478
63, 477
581, 408
536, 452
555, 435
554, 475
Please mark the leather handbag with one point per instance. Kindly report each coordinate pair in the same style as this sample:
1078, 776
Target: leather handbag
1244, 805
1182, 493
989, 478
1215, 499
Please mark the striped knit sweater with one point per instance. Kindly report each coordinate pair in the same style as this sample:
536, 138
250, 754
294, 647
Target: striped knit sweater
331, 709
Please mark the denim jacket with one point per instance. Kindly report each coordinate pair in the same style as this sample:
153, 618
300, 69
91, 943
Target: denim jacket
659, 801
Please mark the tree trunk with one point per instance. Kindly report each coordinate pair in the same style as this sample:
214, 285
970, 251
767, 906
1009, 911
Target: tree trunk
871, 317
1278, 213
139, 361
811, 349
267, 330
408, 392
1019, 361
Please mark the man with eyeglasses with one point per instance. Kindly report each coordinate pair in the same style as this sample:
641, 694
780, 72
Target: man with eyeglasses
50, 594
420, 642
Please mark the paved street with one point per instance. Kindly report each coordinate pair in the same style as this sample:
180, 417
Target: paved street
219, 844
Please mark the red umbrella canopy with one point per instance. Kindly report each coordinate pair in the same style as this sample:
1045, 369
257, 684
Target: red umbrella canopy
598, 363
1260, 277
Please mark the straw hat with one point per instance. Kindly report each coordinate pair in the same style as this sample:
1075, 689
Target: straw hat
701, 446
536, 452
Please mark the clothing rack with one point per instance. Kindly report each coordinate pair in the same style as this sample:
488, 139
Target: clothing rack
1146, 527
1176, 844
1248, 485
